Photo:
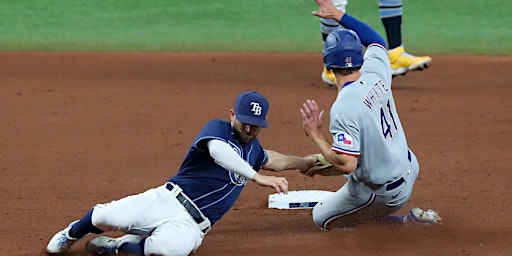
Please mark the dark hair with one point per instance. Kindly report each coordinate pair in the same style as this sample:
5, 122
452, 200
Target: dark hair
345, 71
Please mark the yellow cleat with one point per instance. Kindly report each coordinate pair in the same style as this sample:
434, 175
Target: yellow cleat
328, 77
401, 61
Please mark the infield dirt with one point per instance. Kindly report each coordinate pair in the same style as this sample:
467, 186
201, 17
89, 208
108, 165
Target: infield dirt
84, 128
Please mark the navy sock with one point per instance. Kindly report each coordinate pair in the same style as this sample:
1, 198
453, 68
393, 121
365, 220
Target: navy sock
84, 226
324, 36
393, 26
395, 219
133, 248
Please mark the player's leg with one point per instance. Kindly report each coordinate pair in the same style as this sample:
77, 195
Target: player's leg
181, 237
156, 223
327, 26
122, 215
415, 215
64, 239
346, 208
390, 12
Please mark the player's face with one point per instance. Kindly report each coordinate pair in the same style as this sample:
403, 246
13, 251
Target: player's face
244, 132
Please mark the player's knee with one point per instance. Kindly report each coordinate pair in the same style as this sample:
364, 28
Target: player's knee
102, 219
340, 4
319, 219
167, 248
390, 8
328, 25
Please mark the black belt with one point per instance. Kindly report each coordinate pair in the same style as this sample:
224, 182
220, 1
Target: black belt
191, 209
395, 184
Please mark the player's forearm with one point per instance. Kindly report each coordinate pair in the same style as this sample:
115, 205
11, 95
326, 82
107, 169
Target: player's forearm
279, 162
344, 163
366, 34
226, 157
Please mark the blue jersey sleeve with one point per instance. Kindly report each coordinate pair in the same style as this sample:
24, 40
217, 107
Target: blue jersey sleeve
214, 129
366, 33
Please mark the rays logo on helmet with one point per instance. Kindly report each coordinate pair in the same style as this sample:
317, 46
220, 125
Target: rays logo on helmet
344, 139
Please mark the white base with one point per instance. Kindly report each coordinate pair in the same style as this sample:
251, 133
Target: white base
299, 199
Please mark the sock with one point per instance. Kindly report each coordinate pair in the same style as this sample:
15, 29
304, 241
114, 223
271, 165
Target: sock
133, 248
396, 219
324, 36
393, 26
84, 227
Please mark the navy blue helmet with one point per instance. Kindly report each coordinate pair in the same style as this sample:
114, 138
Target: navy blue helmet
343, 49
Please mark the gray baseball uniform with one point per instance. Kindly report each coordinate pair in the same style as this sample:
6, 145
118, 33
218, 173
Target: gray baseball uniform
365, 123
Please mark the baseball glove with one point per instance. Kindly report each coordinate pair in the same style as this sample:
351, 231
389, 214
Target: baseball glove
322, 167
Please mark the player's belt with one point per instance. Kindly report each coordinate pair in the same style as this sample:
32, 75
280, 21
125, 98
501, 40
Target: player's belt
192, 209
398, 182
393, 184
388, 186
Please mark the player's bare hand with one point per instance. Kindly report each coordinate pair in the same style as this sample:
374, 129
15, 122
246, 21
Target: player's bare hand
312, 117
327, 10
280, 184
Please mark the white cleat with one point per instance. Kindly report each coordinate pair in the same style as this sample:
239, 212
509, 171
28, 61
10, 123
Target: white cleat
61, 242
104, 245
425, 217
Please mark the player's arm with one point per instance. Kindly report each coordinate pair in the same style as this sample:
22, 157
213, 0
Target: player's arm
279, 162
344, 163
312, 119
366, 34
226, 157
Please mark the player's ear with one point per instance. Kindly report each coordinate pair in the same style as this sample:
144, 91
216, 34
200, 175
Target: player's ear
232, 115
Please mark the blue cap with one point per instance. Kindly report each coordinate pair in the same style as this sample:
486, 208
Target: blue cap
251, 108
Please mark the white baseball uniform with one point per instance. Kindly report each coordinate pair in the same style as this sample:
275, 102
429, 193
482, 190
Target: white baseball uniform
365, 123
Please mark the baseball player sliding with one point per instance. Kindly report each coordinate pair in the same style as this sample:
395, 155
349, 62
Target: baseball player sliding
173, 219
369, 144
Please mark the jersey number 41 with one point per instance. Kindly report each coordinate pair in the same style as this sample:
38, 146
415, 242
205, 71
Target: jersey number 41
387, 121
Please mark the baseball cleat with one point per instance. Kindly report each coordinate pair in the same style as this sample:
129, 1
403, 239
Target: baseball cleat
425, 217
328, 77
61, 242
401, 61
104, 245
396, 70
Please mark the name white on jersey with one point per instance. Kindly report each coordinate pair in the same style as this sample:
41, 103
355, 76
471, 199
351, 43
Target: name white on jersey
376, 92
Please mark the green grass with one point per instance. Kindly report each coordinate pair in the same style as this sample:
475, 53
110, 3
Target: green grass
434, 26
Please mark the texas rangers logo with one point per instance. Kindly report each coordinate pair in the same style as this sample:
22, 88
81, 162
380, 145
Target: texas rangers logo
344, 139
256, 108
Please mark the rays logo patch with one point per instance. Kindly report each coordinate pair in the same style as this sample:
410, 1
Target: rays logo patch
237, 179
344, 139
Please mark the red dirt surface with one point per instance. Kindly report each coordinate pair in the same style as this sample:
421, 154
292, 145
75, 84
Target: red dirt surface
84, 128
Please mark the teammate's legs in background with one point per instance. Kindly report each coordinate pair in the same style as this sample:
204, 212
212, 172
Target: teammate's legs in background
326, 27
390, 12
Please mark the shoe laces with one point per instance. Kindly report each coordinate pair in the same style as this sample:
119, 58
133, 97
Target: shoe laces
63, 239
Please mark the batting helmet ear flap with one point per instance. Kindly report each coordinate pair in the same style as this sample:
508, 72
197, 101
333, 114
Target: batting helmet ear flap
343, 49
